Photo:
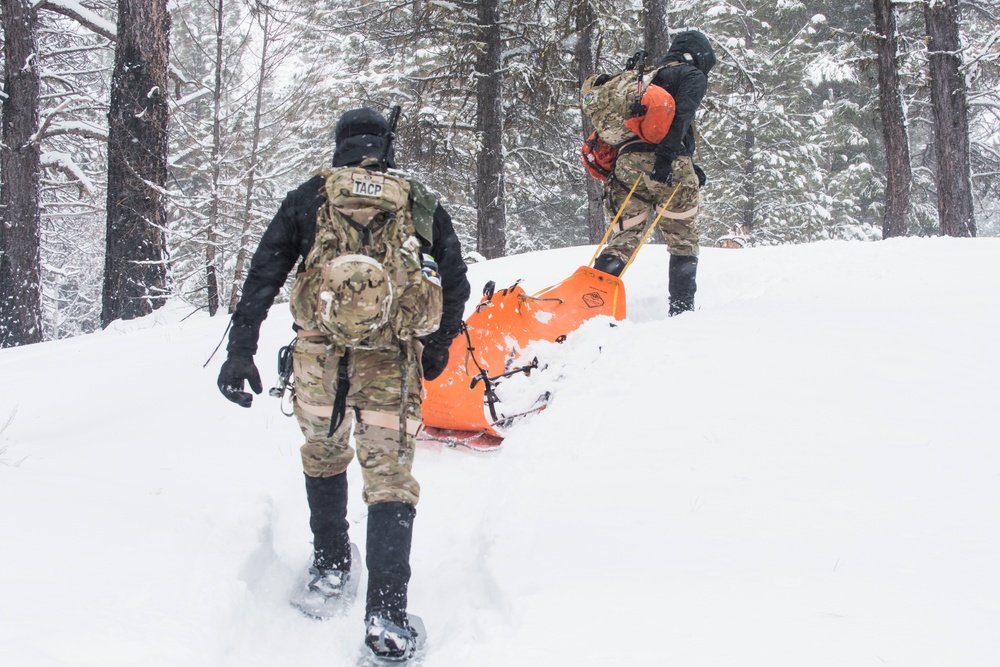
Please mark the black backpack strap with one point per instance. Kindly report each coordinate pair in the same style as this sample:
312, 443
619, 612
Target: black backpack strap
366, 231
635, 146
340, 400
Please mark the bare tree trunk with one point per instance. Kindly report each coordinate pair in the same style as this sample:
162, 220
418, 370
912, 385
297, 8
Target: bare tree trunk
491, 206
656, 33
951, 120
20, 172
749, 216
212, 240
135, 273
897, 148
585, 66
749, 213
241, 255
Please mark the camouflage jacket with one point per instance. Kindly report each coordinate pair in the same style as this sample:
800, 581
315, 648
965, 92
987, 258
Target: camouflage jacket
288, 240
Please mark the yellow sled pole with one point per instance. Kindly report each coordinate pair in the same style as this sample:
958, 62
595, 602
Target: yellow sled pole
663, 209
621, 209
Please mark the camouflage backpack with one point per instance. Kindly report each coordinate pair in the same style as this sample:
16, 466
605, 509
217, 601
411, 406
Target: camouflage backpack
363, 283
611, 103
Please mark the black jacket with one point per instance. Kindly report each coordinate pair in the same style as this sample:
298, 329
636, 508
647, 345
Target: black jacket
687, 84
289, 238
692, 58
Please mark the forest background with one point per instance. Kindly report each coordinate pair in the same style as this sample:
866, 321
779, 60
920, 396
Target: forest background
853, 120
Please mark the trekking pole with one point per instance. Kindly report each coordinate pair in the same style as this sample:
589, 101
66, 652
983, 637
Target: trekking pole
621, 209
637, 109
649, 231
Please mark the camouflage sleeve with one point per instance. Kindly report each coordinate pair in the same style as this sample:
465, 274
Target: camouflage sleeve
687, 85
447, 250
279, 249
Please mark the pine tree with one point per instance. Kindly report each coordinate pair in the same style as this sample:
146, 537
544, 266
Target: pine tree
135, 272
20, 170
951, 121
897, 148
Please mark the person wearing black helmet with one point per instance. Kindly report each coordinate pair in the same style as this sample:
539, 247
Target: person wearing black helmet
666, 173
380, 402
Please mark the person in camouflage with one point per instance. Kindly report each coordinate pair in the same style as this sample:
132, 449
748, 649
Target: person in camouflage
666, 172
375, 380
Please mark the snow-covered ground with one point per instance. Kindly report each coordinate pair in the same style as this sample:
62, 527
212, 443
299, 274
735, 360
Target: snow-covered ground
804, 472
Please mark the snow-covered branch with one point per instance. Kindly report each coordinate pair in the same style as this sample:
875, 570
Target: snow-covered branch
64, 162
85, 17
80, 129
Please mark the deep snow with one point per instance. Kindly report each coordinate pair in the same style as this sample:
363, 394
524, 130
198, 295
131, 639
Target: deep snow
806, 471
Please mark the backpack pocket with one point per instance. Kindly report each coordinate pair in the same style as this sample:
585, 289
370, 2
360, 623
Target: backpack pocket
421, 303
347, 298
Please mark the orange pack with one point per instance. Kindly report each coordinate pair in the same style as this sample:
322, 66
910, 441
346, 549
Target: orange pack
598, 157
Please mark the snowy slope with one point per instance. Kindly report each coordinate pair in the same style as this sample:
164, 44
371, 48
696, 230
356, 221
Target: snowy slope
806, 471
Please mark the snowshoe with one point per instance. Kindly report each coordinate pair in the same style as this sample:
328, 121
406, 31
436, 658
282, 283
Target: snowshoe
323, 594
390, 645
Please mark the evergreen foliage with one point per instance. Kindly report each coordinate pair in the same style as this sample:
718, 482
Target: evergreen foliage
789, 131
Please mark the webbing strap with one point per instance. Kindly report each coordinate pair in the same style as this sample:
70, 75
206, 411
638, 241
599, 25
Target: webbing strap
683, 215
310, 333
633, 221
404, 397
370, 417
366, 231
388, 420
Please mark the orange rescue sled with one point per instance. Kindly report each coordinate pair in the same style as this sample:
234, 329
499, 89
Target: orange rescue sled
461, 406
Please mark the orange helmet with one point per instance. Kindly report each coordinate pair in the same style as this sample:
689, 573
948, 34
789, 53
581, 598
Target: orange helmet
655, 123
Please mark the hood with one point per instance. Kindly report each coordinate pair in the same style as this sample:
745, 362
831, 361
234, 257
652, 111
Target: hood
693, 47
361, 133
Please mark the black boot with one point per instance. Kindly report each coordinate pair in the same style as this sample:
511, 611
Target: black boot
609, 264
390, 532
327, 498
682, 284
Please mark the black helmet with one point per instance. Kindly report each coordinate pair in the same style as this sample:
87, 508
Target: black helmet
694, 48
361, 133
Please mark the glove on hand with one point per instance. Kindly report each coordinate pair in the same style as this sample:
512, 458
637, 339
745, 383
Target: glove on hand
702, 177
662, 172
231, 376
434, 358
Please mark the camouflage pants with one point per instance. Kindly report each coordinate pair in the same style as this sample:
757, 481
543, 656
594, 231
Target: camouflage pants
677, 222
374, 379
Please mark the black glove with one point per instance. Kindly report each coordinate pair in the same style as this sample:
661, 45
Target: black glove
231, 376
662, 172
434, 358
702, 177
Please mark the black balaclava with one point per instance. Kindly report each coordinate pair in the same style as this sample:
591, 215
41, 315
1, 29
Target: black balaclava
361, 133
692, 47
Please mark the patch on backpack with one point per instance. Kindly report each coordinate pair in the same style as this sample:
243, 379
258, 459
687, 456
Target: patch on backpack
368, 184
